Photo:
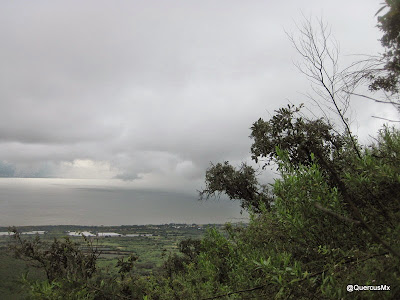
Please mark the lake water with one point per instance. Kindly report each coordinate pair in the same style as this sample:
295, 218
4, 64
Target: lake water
61, 202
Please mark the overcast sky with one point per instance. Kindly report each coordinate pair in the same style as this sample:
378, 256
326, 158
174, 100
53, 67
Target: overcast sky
148, 93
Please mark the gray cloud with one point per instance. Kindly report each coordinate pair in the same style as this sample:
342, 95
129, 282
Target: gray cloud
151, 91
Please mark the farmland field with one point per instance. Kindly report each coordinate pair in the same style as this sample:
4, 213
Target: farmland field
150, 243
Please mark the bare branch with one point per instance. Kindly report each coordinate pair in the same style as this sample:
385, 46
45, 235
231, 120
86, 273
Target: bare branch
374, 99
389, 120
320, 52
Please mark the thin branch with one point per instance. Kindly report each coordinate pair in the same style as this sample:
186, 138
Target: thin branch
374, 99
340, 217
389, 120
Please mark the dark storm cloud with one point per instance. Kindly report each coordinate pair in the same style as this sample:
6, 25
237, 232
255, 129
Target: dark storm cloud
149, 90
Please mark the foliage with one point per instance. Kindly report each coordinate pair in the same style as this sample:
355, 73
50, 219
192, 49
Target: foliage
70, 268
296, 135
241, 184
389, 24
287, 130
59, 259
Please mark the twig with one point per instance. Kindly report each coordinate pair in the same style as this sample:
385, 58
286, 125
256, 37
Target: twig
397, 121
340, 217
373, 99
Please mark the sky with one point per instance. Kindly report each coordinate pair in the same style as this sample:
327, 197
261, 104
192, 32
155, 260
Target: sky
145, 94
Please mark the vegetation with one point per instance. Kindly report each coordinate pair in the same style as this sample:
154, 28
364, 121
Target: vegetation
151, 244
331, 218
387, 77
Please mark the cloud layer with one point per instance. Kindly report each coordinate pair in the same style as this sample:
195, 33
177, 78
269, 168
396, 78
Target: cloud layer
151, 91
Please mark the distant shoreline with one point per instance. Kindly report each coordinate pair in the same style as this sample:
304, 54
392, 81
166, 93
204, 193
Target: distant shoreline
102, 227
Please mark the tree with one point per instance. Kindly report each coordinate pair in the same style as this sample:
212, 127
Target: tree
382, 71
291, 131
287, 130
238, 184
387, 78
